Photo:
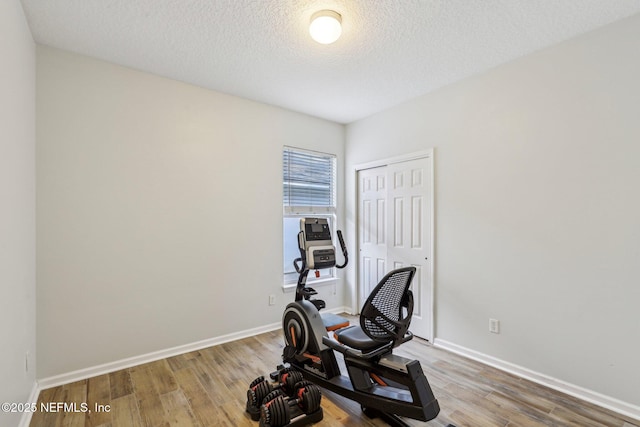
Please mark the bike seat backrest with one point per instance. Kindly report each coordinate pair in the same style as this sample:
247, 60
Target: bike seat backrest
387, 312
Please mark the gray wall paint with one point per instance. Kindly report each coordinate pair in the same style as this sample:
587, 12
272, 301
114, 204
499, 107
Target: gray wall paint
537, 204
17, 207
159, 211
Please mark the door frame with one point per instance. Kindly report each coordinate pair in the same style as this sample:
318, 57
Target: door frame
425, 154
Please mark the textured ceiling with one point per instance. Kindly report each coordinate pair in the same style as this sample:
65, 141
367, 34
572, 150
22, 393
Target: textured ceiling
390, 50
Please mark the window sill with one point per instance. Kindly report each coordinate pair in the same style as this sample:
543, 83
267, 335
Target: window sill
291, 287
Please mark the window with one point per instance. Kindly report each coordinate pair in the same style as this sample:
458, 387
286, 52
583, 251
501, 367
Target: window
309, 189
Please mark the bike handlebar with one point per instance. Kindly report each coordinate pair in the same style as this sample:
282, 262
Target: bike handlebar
344, 250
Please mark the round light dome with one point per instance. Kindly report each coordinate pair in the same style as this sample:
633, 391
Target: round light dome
326, 26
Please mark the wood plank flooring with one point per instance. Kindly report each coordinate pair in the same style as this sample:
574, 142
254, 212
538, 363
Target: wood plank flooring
208, 388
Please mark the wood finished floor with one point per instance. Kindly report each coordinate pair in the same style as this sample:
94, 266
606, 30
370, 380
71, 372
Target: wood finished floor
208, 388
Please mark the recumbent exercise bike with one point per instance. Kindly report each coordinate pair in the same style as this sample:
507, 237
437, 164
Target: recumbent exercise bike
386, 385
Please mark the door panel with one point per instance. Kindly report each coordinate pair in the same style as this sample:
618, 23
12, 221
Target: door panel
372, 203
411, 228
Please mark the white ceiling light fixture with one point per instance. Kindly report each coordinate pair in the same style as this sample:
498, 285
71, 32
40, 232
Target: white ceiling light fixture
326, 26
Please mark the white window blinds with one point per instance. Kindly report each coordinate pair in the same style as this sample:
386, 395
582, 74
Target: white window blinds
309, 181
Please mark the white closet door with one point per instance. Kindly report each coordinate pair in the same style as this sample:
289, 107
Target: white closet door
394, 227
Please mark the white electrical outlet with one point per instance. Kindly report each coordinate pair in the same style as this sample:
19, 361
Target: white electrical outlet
494, 326
272, 299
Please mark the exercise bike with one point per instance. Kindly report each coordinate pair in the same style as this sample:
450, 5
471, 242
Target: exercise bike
386, 385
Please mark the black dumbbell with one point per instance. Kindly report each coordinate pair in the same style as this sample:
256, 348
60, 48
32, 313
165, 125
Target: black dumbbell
260, 388
276, 409
251, 407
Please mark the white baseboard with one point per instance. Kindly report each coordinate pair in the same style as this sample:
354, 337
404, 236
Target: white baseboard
33, 398
117, 365
343, 309
599, 399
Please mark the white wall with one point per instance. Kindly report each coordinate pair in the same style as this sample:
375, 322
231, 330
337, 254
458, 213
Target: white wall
159, 211
17, 207
538, 206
